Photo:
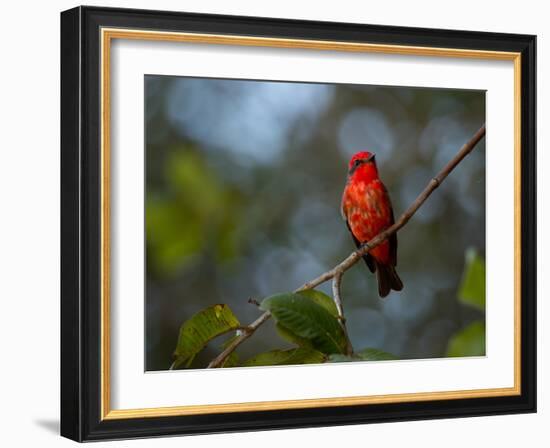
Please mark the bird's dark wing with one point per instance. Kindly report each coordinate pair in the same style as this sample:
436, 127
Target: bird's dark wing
368, 258
393, 246
342, 209
393, 238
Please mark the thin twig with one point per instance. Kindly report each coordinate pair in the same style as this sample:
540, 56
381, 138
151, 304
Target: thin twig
253, 301
336, 283
337, 297
246, 332
355, 256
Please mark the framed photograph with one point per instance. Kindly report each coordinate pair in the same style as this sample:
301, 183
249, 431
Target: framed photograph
275, 224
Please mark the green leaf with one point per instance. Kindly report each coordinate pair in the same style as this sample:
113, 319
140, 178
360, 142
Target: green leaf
286, 357
468, 342
367, 354
306, 319
472, 287
320, 298
287, 335
373, 354
204, 326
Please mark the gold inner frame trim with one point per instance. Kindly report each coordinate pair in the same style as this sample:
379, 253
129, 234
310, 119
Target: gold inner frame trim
107, 35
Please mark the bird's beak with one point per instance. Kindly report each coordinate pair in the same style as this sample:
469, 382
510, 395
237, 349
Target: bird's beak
370, 158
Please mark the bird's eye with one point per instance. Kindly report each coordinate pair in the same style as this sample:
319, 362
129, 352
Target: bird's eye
357, 162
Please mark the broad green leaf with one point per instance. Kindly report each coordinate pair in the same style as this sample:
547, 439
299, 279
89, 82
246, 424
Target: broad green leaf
204, 326
320, 298
367, 354
287, 335
468, 342
308, 320
286, 357
472, 287
373, 354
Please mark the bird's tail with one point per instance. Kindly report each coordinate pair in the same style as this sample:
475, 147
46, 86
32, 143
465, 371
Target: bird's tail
387, 279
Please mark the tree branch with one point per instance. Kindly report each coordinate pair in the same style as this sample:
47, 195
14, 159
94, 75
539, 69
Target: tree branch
246, 332
336, 283
337, 297
337, 271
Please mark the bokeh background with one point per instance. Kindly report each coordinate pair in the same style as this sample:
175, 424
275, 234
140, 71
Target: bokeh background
243, 188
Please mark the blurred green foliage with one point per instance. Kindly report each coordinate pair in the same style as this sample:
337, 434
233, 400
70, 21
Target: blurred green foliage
470, 341
198, 214
472, 288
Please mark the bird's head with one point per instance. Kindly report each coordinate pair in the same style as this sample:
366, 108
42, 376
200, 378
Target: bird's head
363, 158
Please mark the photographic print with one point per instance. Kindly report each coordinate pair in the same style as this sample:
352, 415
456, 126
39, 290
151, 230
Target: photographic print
255, 188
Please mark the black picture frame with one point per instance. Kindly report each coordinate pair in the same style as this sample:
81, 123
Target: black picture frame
81, 224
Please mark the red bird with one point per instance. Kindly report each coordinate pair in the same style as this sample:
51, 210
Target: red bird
367, 210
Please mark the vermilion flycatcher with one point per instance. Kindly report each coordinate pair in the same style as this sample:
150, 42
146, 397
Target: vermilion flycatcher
367, 210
